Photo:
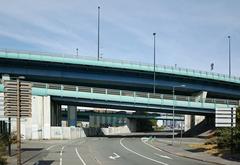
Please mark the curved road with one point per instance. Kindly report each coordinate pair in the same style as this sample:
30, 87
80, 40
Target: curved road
103, 151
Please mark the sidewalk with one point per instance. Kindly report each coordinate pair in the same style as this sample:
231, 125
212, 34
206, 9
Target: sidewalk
184, 150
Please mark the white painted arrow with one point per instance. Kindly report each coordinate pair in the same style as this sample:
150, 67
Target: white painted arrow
114, 157
144, 139
163, 156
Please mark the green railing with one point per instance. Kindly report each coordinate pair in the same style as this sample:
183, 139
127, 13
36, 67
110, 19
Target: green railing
69, 58
131, 98
132, 93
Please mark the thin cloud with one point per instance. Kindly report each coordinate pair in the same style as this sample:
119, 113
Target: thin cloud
190, 34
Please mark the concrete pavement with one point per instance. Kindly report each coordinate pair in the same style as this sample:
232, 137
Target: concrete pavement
91, 151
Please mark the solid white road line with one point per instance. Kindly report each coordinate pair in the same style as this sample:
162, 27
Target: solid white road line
50, 147
80, 157
163, 156
151, 145
141, 154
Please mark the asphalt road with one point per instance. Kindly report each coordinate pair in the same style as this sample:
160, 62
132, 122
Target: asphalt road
102, 151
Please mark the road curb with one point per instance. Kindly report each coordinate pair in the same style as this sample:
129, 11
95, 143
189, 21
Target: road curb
189, 157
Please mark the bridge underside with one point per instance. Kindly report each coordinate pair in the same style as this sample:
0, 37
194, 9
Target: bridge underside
130, 106
115, 78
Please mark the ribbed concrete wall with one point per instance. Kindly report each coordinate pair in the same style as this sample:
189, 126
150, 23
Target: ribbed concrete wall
38, 125
67, 133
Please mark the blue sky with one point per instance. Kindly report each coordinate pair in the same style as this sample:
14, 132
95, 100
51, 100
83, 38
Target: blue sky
190, 33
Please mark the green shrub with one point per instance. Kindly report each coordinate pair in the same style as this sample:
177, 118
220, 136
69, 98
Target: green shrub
224, 135
3, 144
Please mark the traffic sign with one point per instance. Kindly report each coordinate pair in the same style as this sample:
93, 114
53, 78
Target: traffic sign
17, 94
225, 117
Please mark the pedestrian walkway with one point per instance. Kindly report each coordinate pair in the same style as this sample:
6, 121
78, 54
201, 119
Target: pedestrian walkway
184, 150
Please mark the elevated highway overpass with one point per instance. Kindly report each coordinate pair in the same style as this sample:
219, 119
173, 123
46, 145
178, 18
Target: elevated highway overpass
130, 100
59, 79
66, 69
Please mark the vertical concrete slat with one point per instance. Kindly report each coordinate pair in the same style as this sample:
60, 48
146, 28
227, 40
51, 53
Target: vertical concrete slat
72, 111
47, 117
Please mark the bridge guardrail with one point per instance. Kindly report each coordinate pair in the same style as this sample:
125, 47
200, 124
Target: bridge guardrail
133, 93
165, 68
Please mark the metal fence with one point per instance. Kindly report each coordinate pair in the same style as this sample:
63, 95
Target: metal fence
133, 93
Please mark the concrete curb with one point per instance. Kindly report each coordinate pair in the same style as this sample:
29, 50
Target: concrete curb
189, 157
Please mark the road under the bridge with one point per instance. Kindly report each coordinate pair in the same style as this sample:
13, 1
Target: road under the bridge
90, 151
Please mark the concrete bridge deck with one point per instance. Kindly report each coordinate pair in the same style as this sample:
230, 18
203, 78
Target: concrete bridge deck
116, 74
83, 60
121, 99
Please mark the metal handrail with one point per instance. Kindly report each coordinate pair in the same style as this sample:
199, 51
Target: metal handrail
158, 67
134, 93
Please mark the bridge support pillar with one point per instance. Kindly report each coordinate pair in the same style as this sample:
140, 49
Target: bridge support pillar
72, 116
38, 126
55, 114
132, 124
191, 121
201, 96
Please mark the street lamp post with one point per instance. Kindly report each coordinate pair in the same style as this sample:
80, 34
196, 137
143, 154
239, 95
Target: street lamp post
229, 54
98, 55
77, 51
154, 61
173, 121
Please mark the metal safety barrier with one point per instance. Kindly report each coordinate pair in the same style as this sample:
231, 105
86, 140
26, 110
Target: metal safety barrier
133, 93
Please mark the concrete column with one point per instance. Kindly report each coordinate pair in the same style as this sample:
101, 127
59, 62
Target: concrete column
114, 121
39, 123
72, 116
56, 117
91, 121
201, 96
132, 124
191, 121
37, 117
98, 118
46, 117
53, 114
59, 115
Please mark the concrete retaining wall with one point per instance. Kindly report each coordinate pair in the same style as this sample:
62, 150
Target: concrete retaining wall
67, 133
115, 130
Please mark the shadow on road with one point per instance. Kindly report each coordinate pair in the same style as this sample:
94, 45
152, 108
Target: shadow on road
44, 162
